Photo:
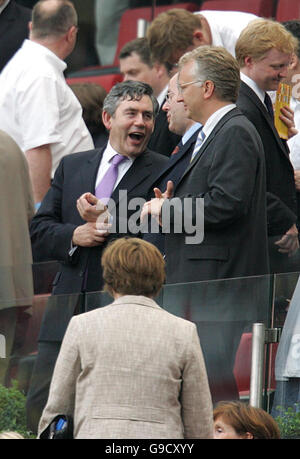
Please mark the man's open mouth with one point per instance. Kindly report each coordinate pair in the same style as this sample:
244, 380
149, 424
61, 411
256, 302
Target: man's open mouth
137, 136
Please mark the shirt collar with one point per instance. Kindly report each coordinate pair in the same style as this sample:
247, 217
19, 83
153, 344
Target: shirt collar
110, 152
188, 134
162, 95
215, 118
33, 46
259, 92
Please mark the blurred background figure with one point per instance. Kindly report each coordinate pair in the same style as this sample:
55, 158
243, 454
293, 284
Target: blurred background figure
91, 97
16, 282
14, 19
240, 421
107, 16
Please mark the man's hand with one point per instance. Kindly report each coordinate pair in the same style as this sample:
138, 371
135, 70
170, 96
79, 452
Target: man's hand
168, 192
90, 207
287, 117
90, 234
154, 206
289, 242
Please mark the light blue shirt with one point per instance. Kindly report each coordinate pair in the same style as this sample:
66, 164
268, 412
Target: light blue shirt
188, 134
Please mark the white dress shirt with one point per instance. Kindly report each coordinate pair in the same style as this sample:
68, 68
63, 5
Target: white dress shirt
215, 118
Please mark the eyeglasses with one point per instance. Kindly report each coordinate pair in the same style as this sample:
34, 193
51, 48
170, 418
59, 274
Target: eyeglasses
169, 97
182, 86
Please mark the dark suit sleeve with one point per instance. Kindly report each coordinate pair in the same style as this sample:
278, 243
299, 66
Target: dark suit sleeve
231, 175
281, 216
50, 235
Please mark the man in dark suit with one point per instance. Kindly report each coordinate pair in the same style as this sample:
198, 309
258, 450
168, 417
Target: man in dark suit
220, 199
264, 51
58, 230
186, 128
136, 64
173, 170
14, 21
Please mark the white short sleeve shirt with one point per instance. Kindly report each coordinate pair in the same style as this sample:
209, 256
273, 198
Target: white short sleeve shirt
37, 107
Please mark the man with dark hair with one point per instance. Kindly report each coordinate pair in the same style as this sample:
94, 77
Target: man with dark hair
37, 108
136, 64
66, 227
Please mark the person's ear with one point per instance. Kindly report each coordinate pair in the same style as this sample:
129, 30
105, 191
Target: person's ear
72, 32
198, 38
106, 119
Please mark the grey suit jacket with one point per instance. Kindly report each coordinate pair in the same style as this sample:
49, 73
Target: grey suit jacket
131, 370
229, 175
16, 210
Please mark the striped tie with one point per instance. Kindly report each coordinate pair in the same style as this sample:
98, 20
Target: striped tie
199, 141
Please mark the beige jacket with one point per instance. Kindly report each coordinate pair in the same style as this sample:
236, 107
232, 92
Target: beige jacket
16, 210
131, 370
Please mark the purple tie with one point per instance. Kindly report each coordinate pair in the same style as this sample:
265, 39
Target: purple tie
106, 185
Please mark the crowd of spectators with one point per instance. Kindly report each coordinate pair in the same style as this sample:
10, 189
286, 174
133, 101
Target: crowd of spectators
189, 138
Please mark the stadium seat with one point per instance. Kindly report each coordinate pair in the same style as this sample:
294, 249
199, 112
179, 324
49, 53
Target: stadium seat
262, 8
287, 10
108, 76
96, 75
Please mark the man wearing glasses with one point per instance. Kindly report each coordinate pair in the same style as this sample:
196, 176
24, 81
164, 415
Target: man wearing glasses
226, 171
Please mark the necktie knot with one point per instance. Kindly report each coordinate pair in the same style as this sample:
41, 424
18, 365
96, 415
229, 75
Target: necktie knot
117, 159
106, 186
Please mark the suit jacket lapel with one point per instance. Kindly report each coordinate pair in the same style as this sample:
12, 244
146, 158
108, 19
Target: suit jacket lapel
175, 158
88, 173
7, 18
211, 136
139, 170
256, 101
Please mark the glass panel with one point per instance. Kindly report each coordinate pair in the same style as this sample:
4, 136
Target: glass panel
285, 363
20, 329
224, 312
